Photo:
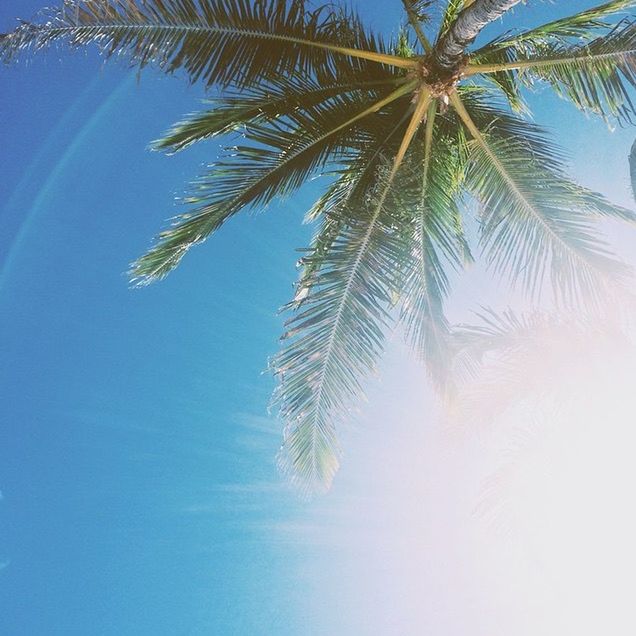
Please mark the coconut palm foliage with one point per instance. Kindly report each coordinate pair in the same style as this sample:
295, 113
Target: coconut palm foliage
418, 136
512, 359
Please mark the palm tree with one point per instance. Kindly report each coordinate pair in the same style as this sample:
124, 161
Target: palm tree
410, 133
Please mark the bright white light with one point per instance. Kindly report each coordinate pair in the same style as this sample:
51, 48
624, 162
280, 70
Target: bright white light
566, 495
525, 527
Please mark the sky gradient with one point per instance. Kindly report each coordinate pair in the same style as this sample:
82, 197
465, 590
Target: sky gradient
138, 489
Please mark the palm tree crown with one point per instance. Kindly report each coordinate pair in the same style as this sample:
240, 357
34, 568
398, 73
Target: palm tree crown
410, 133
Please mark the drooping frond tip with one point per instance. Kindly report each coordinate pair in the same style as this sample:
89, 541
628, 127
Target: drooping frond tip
333, 341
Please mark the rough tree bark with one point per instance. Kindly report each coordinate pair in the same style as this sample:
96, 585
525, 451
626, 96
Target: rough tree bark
449, 51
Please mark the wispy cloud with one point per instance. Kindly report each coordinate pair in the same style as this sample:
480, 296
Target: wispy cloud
258, 423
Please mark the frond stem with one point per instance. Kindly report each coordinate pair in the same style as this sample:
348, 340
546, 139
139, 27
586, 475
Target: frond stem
428, 138
417, 27
423, 102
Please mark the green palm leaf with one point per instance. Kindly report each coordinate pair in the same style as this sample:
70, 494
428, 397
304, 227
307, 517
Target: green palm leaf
453, 9
434, 243
279, 100
278, 162
597, 76
417, 12
336, 339
581, 25
338, 333
535, 221
223, 42
349, 191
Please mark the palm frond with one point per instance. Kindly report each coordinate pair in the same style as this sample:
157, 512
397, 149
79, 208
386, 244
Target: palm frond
335, 340
506, 82
535, 221
421, 8
434, 242
497, 332
505, 358
566, 30
430, 227
224, 42
403, 46
279, 100
278, 162
596, 77
348, 193
417, 12
339, 332
453, 9
489, 116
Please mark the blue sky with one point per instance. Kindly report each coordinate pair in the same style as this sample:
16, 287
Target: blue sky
139, 491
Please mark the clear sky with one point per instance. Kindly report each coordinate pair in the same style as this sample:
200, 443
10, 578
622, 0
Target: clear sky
138, 491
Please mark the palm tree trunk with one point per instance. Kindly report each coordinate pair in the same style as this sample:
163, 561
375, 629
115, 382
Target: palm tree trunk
449, 51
